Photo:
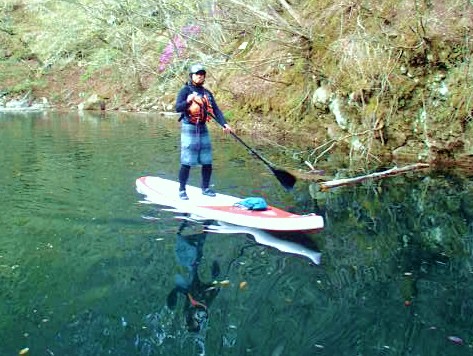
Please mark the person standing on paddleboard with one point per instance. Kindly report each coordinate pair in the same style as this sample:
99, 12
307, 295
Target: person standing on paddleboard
197, 106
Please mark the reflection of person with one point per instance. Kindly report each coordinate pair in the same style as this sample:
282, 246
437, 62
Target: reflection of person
197, 106
197, 294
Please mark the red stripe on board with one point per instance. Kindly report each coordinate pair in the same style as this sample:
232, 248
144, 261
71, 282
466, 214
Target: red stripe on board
269, 213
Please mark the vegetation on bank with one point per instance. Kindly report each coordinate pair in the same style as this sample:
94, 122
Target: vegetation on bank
374, 80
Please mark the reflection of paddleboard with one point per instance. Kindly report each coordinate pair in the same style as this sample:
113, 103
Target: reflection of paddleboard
268, 239
165, 192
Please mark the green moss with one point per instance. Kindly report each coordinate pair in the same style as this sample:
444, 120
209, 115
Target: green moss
10, 72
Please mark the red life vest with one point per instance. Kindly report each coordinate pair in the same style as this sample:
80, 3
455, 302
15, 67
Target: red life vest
199, 110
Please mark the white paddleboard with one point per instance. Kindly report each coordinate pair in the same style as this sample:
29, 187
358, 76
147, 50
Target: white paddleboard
221, 207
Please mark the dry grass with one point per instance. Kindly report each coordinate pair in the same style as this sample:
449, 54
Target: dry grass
382, 58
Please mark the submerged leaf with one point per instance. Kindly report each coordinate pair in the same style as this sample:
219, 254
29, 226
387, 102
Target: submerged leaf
455, 339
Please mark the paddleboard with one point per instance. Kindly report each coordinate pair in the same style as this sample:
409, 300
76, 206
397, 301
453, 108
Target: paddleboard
222, 207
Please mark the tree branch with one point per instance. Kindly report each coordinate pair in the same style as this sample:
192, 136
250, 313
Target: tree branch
325, 186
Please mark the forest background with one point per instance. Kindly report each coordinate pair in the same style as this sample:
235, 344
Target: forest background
356, 83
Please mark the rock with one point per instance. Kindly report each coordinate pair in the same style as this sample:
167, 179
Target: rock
443, 89
16, 104
243, 46
412, 150
333, 131
24, 104
93, 102
321, 97
336, 109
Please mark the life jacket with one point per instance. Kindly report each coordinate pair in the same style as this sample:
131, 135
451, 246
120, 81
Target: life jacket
200, 109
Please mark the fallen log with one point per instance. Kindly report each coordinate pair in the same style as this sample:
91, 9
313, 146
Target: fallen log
324, 186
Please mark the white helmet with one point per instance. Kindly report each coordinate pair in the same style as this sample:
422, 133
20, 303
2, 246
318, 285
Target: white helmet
195, 68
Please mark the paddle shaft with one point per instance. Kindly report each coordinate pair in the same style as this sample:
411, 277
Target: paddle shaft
266, 162
285, 178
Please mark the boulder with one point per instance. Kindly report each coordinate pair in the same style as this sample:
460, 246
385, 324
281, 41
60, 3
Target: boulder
93, 102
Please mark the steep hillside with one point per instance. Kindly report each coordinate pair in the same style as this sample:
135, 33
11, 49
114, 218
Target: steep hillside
362, 83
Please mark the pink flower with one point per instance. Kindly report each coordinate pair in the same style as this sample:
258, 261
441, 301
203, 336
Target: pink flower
177, 46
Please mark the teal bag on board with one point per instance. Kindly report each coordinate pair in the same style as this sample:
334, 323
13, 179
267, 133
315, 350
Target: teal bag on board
252, 203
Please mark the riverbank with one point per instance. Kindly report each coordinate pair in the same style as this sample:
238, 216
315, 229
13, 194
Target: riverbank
359, 87
296, 143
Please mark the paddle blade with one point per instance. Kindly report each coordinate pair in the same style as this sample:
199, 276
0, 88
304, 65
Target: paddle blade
286, 179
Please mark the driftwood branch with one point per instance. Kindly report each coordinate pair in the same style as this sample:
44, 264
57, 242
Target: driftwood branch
378, 175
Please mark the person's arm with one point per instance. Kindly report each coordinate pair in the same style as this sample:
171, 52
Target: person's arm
181, 100
219, 117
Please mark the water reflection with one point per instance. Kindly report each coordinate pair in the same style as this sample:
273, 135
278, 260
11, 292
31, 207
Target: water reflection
297, 243
197, 294
81, 276
199, 280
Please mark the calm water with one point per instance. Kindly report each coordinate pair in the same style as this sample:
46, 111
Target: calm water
85, 269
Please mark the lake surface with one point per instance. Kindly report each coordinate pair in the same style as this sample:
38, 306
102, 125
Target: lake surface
86, 269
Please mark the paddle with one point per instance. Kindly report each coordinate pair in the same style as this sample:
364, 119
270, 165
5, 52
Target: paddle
286, 179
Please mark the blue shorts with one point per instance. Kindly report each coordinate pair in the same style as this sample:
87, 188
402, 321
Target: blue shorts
196, 148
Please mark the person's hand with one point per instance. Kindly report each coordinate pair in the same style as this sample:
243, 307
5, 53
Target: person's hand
227, 128
191, 97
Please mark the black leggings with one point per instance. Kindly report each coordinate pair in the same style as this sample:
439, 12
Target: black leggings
185, 171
